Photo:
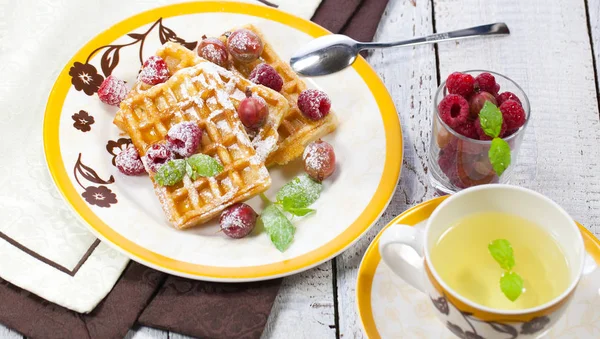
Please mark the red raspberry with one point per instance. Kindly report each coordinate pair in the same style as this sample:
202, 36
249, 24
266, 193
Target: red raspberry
266, 75
513, 114
486, 82
238, 221
112, 91
314, 104
154, 71
454, 110
460, 83
467, 129
502, 97
156, 156
184, 138
481, 134
129, 162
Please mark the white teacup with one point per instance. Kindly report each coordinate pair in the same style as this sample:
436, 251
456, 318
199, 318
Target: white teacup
463, 317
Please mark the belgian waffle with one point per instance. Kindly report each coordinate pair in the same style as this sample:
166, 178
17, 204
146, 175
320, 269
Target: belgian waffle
201, 94
295, 131
177, 57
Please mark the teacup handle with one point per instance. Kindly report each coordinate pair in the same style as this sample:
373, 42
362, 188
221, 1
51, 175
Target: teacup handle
410, 271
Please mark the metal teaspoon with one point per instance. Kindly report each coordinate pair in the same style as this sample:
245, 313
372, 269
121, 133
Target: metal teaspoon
332, 53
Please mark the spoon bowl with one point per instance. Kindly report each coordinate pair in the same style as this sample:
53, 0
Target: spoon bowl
325, 55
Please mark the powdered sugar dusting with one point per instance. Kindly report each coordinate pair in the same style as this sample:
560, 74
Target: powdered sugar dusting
264, 147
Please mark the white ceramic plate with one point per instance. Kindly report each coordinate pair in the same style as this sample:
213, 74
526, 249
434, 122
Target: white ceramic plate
81, 142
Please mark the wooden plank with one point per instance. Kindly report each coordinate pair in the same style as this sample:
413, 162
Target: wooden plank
548, 53
593, 11
304, 306
6, 333
410, 76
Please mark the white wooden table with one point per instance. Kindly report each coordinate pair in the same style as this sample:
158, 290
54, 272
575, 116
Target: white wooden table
552, 53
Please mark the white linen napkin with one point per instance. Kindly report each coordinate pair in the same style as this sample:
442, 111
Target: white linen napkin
43, 247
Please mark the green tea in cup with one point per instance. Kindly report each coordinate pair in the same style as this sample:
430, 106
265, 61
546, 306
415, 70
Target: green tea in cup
537, 267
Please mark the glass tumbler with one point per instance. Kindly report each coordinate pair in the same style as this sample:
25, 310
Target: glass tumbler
456, 161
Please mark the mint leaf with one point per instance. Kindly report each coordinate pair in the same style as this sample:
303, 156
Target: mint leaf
511, 285
499, 155
278, 227
170, 173
490, 119
190, 171
300, 212
502, 252
204, 165
301, 192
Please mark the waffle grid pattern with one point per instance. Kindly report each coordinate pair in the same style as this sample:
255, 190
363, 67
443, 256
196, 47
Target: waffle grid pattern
200, 94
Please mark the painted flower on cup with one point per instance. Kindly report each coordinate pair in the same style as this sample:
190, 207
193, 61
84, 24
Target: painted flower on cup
100, 196
83, 121
534, 325
85, 77
116, 147
441, 304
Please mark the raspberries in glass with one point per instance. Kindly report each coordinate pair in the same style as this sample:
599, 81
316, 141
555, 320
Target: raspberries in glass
460, 108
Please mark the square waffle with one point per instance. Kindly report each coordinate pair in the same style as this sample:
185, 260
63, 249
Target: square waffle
295, 131
177, 57
200, 94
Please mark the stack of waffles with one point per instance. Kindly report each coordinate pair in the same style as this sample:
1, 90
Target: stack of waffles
208, 95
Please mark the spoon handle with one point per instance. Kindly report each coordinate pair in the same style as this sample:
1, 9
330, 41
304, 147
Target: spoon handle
498, 28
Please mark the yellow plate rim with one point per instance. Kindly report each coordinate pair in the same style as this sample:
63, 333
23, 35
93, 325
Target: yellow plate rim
367, 218
413, 216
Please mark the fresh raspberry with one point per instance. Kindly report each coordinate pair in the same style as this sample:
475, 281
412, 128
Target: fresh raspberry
486, 82
513, 114
156, 156
467, 129
112, 91
502, 97
129, 162
184, 138
460, 83
314, 104
154, 71
266, 75
481, 134
454, 110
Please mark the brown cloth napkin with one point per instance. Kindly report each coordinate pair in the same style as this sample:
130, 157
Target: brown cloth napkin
151, 298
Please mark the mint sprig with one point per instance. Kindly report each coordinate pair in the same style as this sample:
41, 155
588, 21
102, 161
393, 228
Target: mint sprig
278, 227
170, 173
293, 198
490, 118
491, 122
499, 155
202, 165
301, 192
198, 165
511, 282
